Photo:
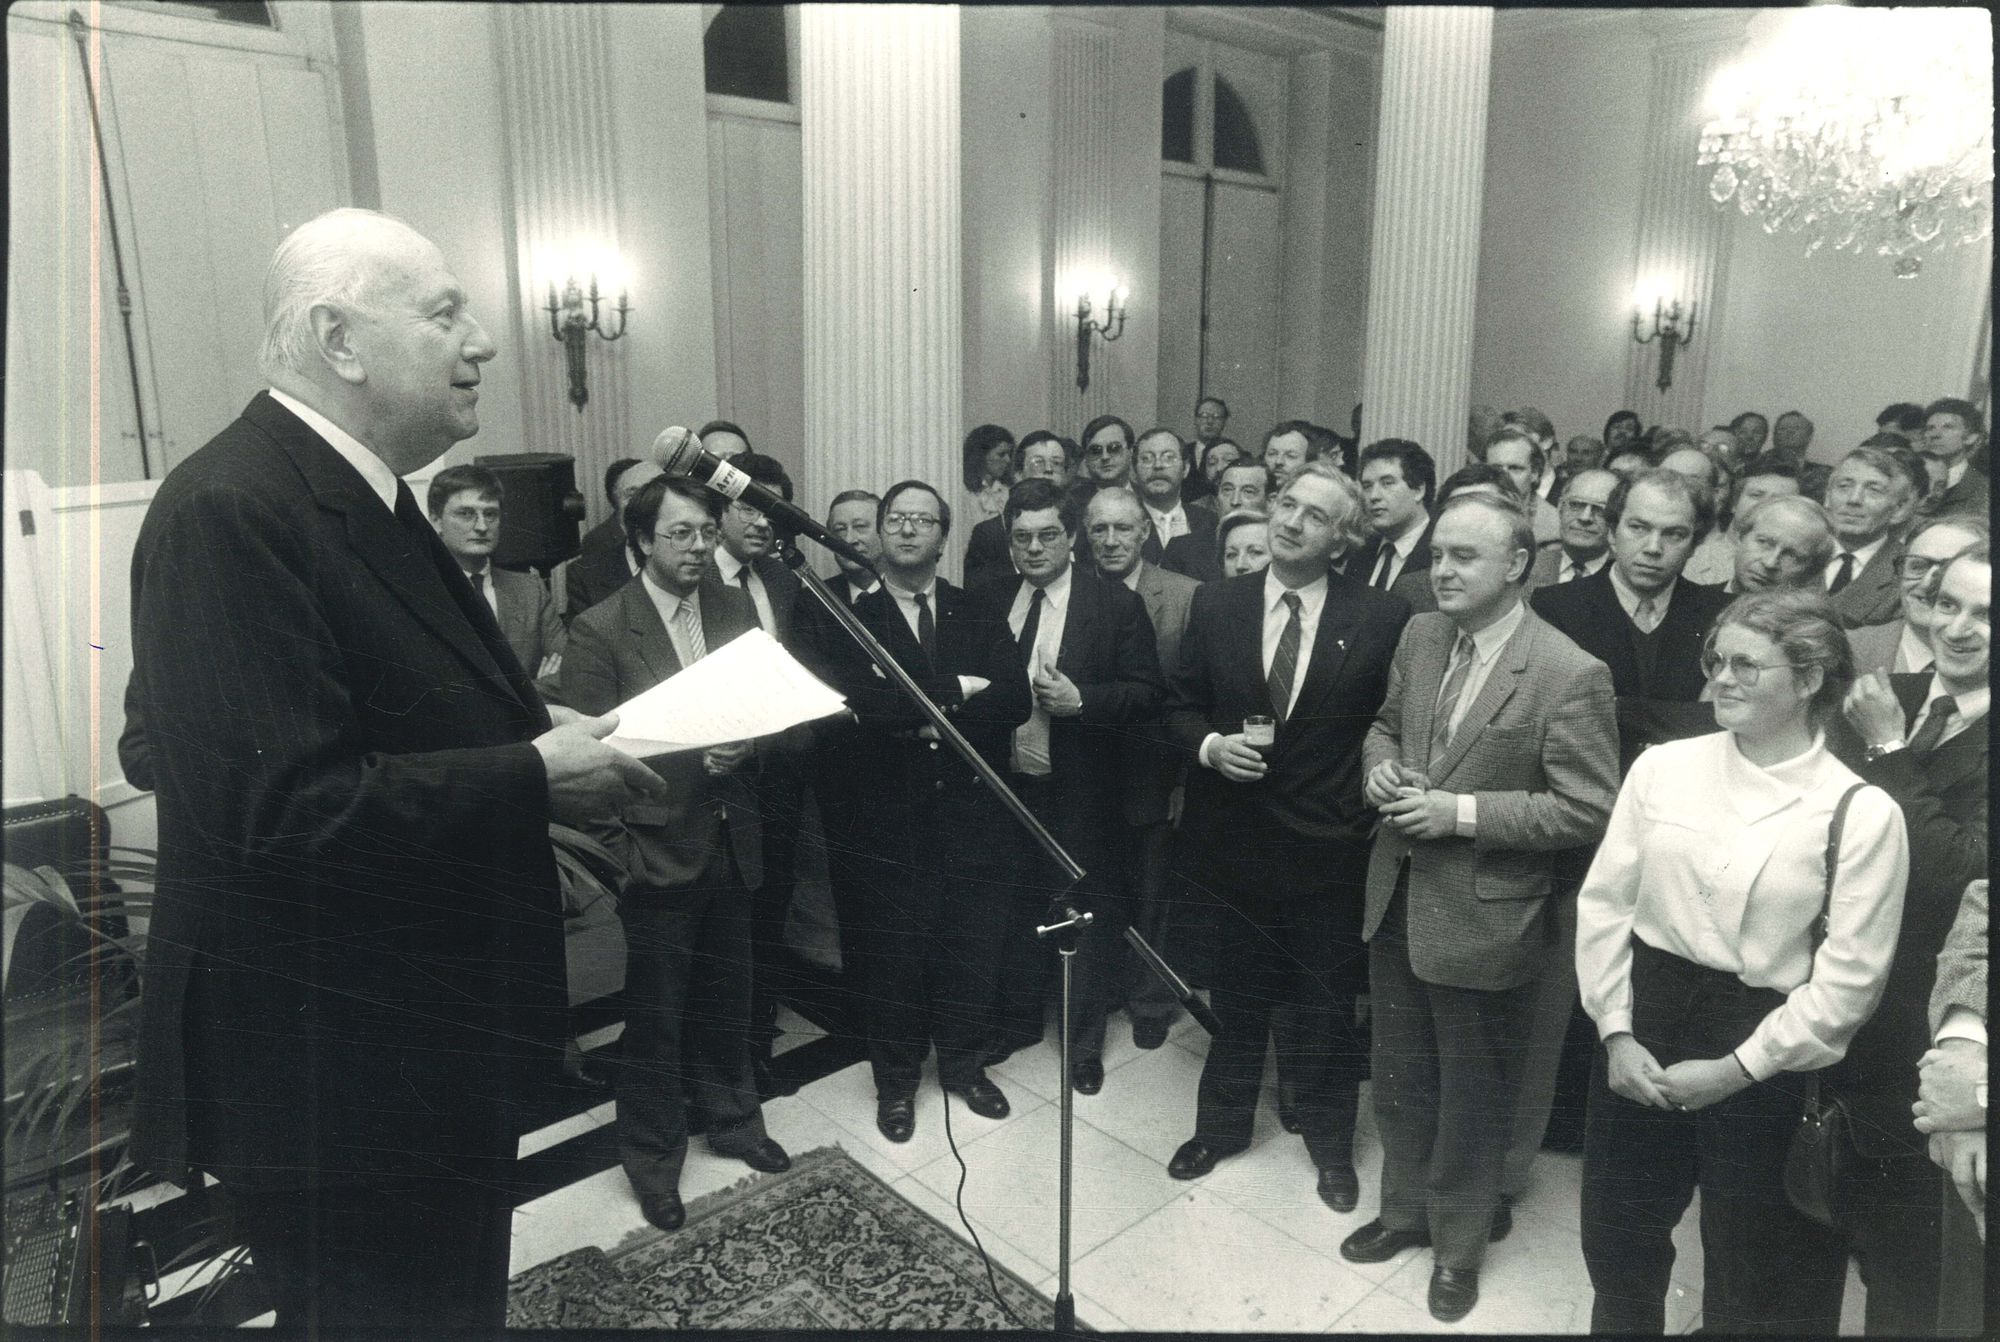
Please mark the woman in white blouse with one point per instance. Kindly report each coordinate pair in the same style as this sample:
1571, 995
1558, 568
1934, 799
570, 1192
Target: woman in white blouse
987, 461
1695, 957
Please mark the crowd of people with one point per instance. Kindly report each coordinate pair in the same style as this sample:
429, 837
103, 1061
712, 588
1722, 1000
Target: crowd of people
1470, 788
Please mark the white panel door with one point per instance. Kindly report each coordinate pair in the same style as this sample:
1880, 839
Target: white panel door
1180, 302
1245, 316
757, 215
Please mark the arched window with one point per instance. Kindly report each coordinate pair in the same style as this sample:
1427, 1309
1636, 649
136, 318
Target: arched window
1177, 117
1236, 143
744, 53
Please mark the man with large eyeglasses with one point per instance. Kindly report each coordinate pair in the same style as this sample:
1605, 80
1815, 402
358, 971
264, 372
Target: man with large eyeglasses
1586, 531
927, 879
1904, 644
692, 860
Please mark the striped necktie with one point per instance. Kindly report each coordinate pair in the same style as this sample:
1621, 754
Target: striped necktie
1285, 662
690, 622
1454, 685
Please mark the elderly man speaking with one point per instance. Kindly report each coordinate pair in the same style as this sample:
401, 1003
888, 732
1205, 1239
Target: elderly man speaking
355, 968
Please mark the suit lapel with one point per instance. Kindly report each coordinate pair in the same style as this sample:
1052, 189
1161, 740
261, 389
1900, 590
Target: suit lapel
1429, 658
1501, 682
1249, 640
1080, 622
1338, 619
650, 638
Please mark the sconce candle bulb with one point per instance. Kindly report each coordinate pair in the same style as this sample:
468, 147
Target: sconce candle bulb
1087, 325
569, 324
1672, 325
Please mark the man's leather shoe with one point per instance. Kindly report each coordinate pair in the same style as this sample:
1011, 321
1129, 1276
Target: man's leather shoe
982, 1097
1148, 1033
760, 1154
1376, 1243
1454, 1291
1339, 1187
897, 1118
664, 1210
1503, 1222
1087, 1076
1195, 1158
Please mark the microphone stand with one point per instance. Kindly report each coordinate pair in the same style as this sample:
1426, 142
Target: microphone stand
1064, 931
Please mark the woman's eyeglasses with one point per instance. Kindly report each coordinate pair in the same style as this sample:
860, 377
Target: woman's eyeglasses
1741, 669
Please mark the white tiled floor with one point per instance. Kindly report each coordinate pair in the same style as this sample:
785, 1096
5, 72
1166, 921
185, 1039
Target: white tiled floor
1249, 1248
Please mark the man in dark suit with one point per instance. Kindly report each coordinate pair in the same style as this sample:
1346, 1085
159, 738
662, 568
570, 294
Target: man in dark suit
1158, 471
1398, 480
1153, 772
354, 978
1954, 430
691, 863
604, 563
747, 559
1870, 497
851, 517
464, 503
1040, 456
1088, 651
1496, 749
1277, 834
1925, 744
928, 876
1639, 617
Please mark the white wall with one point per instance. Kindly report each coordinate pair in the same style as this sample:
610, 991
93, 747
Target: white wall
1565, 141
1350, 196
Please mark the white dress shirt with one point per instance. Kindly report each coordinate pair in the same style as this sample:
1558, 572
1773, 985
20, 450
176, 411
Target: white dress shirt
1720, 861
373, 469
1568, 570
1486, 646
1629, 597
1312, 601
484, 585
906, 602
731, 568
669, 607
1169, 524
1401, 546
1031, 738
1861, 560
1912, 653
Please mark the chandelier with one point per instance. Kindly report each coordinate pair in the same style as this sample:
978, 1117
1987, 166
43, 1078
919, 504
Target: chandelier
1861, 129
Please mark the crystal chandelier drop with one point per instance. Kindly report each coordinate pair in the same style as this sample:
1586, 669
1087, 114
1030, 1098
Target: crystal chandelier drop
1862, 129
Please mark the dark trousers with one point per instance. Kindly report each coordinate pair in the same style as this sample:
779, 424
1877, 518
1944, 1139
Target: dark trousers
408, 1257
1962, 1307
1448, 1064
1555, 1000
1765, 1268
781, 803
1894, 1228
1147, 888
919, 941
687, 1019
1276, 944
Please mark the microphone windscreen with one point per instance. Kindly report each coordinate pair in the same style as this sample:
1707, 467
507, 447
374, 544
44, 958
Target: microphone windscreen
675, 450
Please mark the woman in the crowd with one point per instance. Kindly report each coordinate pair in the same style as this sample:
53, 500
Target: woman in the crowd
1698, 958
1243, 540
1904, 644
1215, 458
988, 468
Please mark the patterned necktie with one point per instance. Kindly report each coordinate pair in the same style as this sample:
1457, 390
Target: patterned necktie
1285, 662
690, 622
743, 581
1647, 615
1454, 685
1842, 575
926, 627
1031, 627
1927, 737
1382, 566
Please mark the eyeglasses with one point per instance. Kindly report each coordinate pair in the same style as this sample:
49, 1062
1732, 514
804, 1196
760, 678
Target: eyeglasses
1917, 566
467, 516
1741, 669
910, 521
685, 537
1050, 537
1583, 507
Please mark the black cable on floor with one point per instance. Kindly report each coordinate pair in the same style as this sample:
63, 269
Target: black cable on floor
958, 1201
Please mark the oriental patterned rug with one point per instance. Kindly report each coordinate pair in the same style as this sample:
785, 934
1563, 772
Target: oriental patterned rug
824, 1245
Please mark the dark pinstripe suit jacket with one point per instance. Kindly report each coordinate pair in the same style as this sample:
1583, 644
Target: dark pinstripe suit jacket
356, 947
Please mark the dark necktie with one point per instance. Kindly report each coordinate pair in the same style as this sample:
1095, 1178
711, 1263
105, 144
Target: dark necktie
479, 585
1928, 735
1285, 662
1031, 627
1454, 686
743, 581
411, 516
1383, 564
926, 628
1842, 575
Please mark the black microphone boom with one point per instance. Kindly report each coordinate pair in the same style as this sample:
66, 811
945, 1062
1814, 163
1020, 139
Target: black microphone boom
678, 452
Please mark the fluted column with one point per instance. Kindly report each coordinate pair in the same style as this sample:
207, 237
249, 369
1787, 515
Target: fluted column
879, 122
564, 189
1430, 154
1085, 90
1683, 238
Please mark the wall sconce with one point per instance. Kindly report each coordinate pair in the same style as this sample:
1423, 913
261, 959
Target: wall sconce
1087, 325
1672, 327
568, 324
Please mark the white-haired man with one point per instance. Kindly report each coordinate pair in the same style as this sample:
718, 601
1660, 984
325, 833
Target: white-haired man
355, 971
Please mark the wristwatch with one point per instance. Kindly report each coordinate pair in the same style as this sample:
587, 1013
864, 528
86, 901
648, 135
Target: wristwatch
1886, 748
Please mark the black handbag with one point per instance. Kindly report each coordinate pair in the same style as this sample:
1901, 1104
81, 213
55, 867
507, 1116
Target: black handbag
1822, 1147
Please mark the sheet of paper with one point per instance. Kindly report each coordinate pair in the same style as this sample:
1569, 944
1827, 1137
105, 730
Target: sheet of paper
750, 686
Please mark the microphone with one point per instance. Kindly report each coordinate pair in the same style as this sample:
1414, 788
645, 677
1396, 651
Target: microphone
678, 452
